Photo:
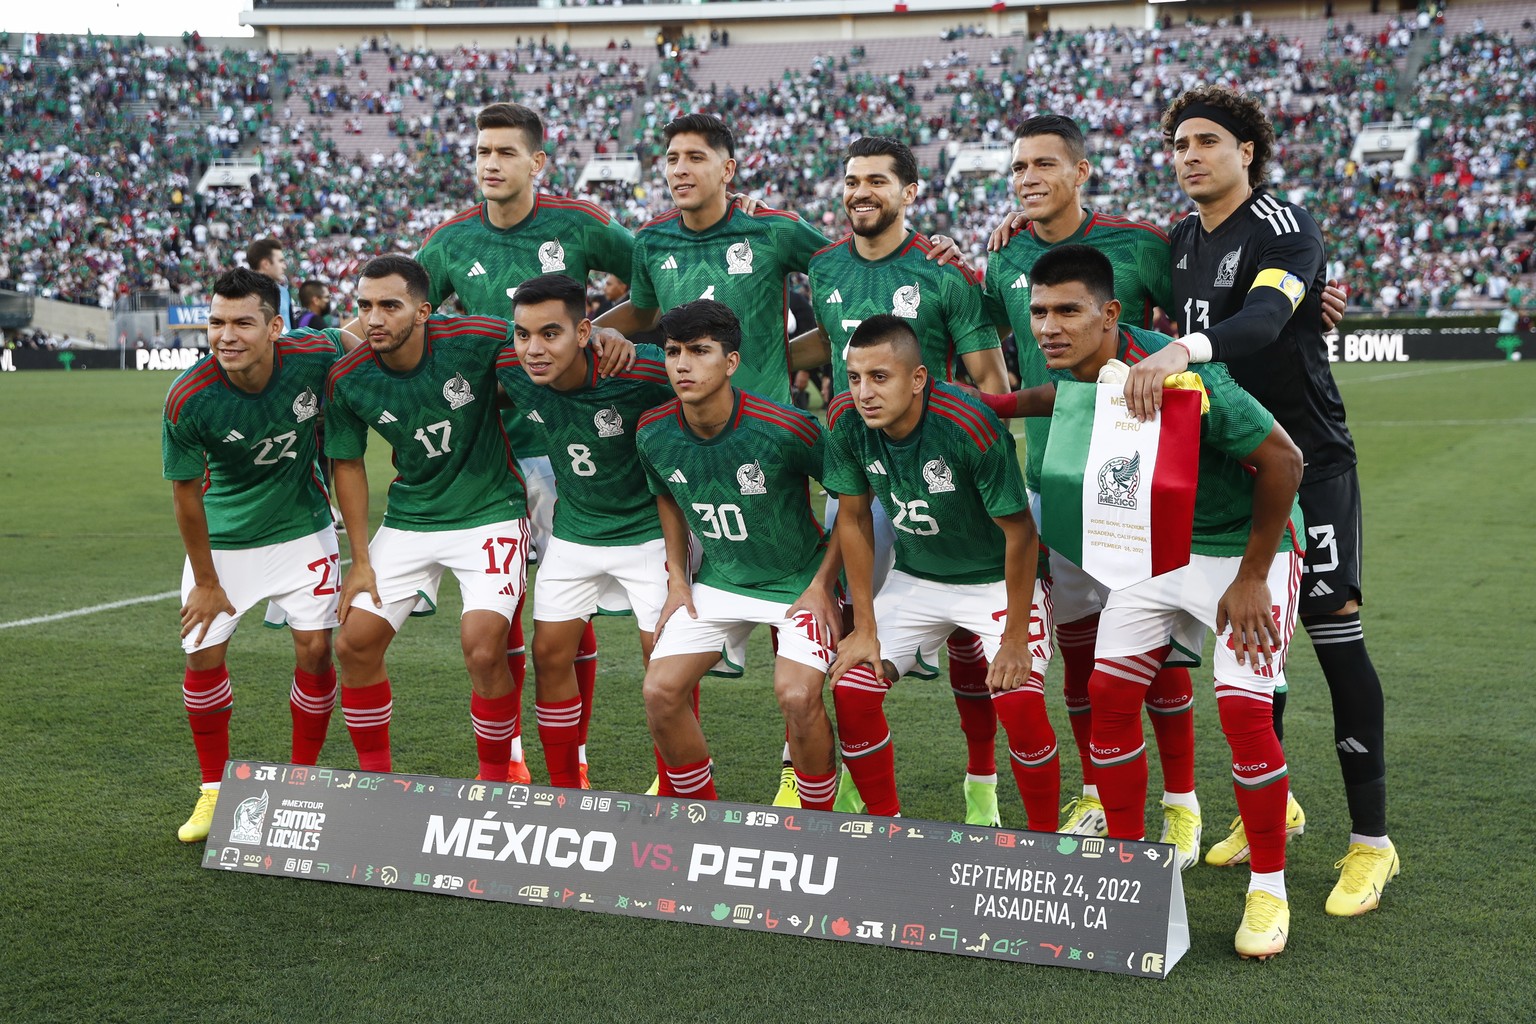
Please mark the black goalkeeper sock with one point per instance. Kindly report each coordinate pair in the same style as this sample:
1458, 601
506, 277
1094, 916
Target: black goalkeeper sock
1358, 716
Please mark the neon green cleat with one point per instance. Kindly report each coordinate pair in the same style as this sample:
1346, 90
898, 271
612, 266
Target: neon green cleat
655, 787
1084, 817
1366, 872
848, 800
195, 829
981, 804
1266, 923
1234, 849
1181, 827
789, 791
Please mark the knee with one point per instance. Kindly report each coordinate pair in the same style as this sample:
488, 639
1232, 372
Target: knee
662, 692
484, 654
350, 648
800, 701
312, 651
549, 652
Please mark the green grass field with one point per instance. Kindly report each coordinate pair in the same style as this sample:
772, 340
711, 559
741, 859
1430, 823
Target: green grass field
107, 917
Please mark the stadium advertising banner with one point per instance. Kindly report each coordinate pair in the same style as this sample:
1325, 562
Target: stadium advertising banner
1025, 897
1382, 343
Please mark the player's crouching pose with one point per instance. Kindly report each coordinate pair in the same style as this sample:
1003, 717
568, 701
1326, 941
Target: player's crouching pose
606, 553
966, 556
1245, 512
736, 469
238, 441
427, 383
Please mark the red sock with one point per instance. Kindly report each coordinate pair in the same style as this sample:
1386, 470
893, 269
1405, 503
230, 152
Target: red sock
517, 660
663, 786
495, 723
310, 702
816, 791
586, 676
207, 696
868, 753
1171, 705
693, 781
559, 732
1032, 751
1075, 641
366, 710
1119, 751
968, 680
1259, 773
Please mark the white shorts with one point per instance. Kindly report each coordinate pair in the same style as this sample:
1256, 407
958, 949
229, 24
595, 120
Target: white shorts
490, 562
577, 581
915, 617
539, 478
1179, 606
302, 577
1074, 594
726, 620
885, 538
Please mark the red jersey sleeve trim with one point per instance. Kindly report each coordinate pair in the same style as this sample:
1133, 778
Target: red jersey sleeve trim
458, 218
791, 421
968, 419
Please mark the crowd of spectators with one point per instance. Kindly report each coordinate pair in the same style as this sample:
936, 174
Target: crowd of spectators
104, 141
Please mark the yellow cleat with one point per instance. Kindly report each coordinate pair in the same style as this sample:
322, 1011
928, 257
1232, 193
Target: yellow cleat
1084, 817
655, 787
1234, 849
195, 830
981, 804
1181, 827
1366, 871
848, 800
1266, 923
789, 790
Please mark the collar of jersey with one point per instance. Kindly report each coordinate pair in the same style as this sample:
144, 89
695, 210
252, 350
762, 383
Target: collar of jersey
485, 220
896, 253
277, 368
725, 432
717, 225
917, 431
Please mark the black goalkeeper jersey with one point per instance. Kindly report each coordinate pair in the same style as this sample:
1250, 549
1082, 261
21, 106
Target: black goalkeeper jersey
1269, 248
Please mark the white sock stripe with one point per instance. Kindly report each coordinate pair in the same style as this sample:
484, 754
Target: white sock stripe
968, 653
557, 718
856, 754
1124, 670
493, 735
692, 780
363, 718
315, 705
816, 790
1224, 690
1150, 663
1076, 637
201, 700
587, 657
516, 650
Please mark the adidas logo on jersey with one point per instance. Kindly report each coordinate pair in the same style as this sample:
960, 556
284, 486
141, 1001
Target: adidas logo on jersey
877, 468
477, 270
836, 296
1320, 589
233, 436
1184, 262
388, 417
1022, 281
670, 263
677, 477
534, 416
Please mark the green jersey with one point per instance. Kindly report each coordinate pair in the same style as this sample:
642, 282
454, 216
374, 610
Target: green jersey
1141, 257
942, 485
469, 256
741, 261
1235, 426
590, 429
254, 452
454, 463
746, 493
943, 303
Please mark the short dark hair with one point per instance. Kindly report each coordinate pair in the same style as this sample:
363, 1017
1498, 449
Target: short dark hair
243, 282
558, 287
703, 318
714, 130
888, 329
261, 250
1063, 264
417, 283
1064, 128
513, 115
902, 160
309, 290
1248, 122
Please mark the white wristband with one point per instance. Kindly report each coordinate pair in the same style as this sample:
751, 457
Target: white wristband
1197, 345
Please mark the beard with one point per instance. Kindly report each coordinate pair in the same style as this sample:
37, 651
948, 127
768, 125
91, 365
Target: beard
883, 220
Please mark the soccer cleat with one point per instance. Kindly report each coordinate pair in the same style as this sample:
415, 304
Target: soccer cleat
1181, 827
581, 770
1266, 923
195, 829
1366, 871
517, 772
981, 804
789, 790
1233, 850
848, 800
1084, 817
655, 787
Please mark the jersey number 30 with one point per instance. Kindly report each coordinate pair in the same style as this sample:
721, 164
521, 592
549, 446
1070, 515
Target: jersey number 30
721, 521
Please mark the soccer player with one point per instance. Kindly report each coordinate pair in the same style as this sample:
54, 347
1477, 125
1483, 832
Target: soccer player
735, 469
427, 383
266, 257
482, 255
238, 444
947, 474
606, 552
882, 267
1248, 273
1241, 580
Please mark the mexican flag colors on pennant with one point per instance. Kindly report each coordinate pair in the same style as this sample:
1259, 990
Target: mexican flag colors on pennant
1117, 495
